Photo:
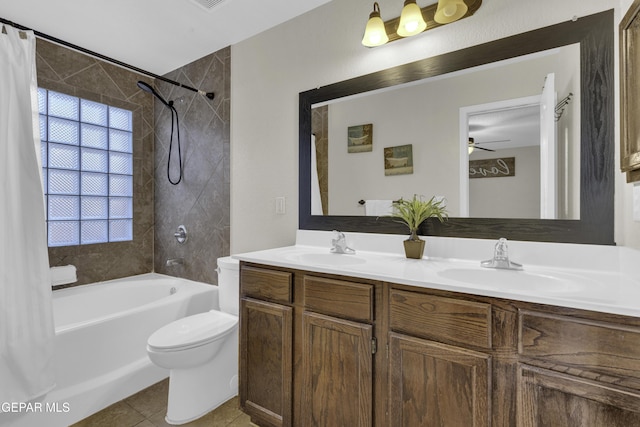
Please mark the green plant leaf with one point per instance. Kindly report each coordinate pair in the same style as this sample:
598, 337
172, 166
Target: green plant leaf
417, 210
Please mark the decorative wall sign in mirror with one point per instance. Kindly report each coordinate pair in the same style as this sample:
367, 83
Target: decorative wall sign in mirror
500, 167
586, 132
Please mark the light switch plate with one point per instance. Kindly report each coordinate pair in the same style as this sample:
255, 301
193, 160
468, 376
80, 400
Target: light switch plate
281, 205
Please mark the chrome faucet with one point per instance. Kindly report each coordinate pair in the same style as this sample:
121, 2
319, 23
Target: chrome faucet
174, 261
181, 234
501, 258
339, 244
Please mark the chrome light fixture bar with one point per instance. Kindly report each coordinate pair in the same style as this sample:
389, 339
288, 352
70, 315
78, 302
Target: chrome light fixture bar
415, 20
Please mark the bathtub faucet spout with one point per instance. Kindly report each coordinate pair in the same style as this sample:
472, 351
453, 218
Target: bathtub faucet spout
175, 261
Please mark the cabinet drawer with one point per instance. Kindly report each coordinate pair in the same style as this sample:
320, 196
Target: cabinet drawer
440, 318
583, 345
339, 298
266, 284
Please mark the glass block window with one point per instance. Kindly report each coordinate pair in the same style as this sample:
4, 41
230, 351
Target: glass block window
87, 159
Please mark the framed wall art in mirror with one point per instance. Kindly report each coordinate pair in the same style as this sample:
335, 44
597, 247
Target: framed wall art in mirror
360, 138
594, 35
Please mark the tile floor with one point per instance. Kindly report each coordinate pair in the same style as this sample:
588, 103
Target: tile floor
148, 408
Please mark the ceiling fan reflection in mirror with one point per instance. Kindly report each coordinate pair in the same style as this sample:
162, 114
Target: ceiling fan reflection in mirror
473, 144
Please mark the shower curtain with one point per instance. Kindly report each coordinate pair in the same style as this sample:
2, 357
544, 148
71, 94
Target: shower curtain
316, 200
26, 315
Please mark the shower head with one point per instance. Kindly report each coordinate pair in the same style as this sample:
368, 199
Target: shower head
147, 88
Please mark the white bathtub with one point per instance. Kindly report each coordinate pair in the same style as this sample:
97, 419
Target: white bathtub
101, 337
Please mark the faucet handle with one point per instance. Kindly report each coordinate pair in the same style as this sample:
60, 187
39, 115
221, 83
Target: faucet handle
338, 239
339, 244
501, 257
501, 250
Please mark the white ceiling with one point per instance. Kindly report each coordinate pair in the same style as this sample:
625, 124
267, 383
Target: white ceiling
506, 128
154, 35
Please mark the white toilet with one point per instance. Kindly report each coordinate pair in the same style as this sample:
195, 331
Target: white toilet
201, 352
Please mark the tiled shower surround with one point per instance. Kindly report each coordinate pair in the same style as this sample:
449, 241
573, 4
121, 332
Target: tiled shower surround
67, 71
200, 201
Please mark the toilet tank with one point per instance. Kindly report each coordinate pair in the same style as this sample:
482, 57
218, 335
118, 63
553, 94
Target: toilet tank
229, 284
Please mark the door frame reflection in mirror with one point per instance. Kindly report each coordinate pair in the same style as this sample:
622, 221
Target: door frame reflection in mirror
595, 226
465, 114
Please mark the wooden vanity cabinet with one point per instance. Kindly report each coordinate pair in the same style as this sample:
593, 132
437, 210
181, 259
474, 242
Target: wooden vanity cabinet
433, 384
325, 350
459, 359
550, 398
266, 346
440, 360
307, 344
578, 369
337, 352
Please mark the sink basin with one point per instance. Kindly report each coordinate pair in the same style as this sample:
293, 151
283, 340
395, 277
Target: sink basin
327, 259
514, 280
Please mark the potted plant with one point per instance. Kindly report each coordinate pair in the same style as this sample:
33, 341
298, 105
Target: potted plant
413, 213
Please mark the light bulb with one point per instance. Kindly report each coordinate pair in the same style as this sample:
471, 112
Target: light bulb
411, 20
449, 10
410, 27
375, 33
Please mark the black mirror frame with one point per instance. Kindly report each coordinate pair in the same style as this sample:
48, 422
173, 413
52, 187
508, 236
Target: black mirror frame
596, 223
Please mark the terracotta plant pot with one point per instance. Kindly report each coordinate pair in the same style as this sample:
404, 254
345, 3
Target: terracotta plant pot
414, 248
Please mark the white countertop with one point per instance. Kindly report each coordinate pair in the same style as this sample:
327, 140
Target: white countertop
598, 278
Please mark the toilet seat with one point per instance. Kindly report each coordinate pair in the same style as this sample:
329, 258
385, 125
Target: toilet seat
192, 331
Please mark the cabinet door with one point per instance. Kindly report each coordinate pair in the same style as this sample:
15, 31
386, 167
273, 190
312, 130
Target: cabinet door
337, 369
433, 384
265, 362
548, 398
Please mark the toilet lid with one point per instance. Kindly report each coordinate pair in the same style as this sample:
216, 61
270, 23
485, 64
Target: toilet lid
193, 330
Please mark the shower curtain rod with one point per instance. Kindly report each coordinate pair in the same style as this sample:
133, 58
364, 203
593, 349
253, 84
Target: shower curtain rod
209, 95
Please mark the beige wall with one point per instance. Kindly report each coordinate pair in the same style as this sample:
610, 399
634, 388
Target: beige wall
73, 73
323, 47
515, 196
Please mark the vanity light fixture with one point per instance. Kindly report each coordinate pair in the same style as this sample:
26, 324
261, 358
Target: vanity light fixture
449, 11
411, 20
415, 20
375, 34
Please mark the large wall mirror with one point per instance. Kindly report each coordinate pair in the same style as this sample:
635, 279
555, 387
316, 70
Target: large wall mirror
464, 111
